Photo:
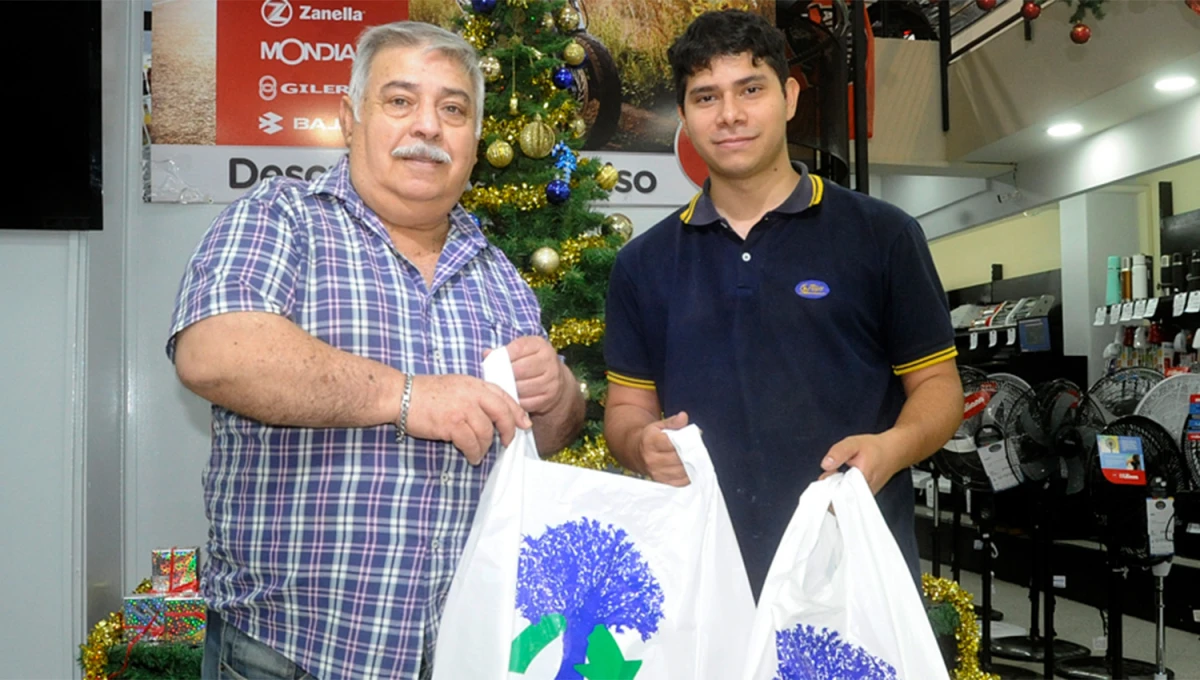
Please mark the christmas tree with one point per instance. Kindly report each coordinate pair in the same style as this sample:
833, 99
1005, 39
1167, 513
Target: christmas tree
532, 193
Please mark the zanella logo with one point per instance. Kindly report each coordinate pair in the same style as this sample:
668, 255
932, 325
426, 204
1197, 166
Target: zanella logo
268, 88
294, 51
269, 122
277, 13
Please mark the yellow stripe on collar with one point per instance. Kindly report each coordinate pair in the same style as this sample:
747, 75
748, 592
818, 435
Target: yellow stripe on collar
818, 185
686, 217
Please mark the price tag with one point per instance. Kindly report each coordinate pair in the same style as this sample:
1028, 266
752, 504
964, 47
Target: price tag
1193, 302
1160, 520
997, 466
1114, 313
993, 337
1012, 337
1139, 309
1127, 311
1060, 581
974, 341
1151, 307
1178, 304
1101, 313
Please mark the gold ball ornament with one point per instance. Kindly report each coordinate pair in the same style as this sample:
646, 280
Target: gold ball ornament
573, 53
568, 19
578, 127
537, 139
620, 225
546, 260
500, 153
490, 66
607, 177
547, 22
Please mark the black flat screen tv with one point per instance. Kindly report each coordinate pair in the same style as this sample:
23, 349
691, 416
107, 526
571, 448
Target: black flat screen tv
52, 48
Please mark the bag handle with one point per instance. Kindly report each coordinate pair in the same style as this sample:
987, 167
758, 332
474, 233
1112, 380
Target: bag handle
497, 369
689, 444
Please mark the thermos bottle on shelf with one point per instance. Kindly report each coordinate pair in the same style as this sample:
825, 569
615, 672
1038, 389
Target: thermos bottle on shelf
1138, 285
1112, 293
1126, 278
1178, 273
1138, 278
1193, 272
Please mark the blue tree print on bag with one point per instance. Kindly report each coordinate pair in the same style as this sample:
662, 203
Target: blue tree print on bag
592, 576
807, 653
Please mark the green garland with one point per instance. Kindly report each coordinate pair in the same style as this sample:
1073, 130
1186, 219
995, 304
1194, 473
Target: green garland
1082, 7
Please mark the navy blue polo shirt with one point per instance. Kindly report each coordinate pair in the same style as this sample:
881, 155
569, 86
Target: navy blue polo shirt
780, 345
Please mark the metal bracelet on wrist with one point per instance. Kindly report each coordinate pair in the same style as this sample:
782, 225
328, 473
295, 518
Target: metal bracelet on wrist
405, 402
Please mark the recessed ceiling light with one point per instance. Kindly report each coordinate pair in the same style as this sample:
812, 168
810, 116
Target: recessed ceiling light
1064, 129
1175, 84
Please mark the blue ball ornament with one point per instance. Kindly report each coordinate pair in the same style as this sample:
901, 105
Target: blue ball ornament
563, 78
483, 6
558, 191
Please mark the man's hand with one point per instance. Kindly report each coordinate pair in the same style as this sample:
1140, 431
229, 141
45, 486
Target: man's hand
541, 377
465, 411
870, 453
659, 458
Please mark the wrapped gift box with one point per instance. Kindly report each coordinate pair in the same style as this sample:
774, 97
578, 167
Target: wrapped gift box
185, 620
145, 617
175, 571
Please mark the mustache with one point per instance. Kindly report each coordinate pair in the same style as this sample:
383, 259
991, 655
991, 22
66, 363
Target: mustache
422, 151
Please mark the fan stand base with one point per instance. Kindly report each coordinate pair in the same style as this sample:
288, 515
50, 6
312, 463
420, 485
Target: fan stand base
1026, 648
996, 614
1007, 672
1097, 668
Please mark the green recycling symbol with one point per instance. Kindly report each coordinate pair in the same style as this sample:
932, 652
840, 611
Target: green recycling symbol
604, 658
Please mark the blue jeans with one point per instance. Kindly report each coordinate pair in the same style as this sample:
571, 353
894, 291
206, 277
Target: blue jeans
230, 654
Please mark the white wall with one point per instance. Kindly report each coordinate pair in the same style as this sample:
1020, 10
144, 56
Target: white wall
40, 456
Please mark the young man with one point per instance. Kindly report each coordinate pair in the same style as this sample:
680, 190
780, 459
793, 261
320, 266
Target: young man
800, 325
339, 326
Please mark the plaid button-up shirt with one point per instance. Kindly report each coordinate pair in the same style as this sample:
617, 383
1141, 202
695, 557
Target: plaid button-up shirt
336, 547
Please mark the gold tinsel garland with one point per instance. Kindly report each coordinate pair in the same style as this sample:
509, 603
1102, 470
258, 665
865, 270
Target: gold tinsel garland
509, 128
105, 634
592, 454
568, 253
478, 31
967, 635
576, 332
524, 197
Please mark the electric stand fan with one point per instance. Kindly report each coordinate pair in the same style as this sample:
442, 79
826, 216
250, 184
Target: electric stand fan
1049, 436
971, 378
977, 459
1118, 394
1134, 473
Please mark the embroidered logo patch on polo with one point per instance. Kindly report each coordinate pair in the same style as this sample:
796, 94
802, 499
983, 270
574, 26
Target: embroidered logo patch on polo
812, 289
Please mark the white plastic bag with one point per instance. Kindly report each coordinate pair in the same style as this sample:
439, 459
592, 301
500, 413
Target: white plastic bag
575, 573
839, 600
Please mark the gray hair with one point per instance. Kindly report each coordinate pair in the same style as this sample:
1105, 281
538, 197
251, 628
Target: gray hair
414, 34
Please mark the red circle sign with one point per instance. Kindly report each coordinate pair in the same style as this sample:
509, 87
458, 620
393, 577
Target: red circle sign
689, 161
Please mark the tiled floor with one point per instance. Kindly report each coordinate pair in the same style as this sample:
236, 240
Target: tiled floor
1081, 623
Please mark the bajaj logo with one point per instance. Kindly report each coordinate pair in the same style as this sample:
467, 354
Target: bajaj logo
277, 13
269, 122
812, 289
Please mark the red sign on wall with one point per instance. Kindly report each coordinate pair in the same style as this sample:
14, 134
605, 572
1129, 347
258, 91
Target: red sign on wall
283, 66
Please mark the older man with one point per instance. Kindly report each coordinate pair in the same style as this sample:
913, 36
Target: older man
338, 328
